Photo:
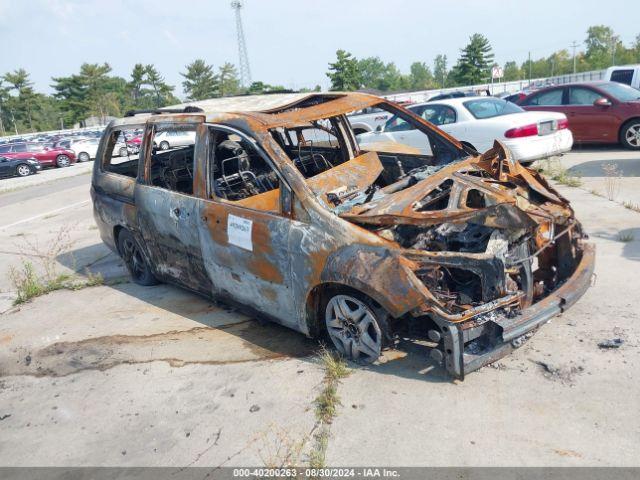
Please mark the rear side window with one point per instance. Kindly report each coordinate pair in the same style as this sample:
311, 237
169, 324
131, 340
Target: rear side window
121, 157
171, 165
550, 98
622, 76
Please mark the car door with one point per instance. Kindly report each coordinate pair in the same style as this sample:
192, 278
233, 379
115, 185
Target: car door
5, 167
169, 209
589, 122
244, 227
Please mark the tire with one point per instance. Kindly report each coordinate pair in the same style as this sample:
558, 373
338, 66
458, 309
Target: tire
164, 145
23, 170
84, 157
123, 152
135, 260
359, 131
630, 134
357, 328
62, 161
527, 164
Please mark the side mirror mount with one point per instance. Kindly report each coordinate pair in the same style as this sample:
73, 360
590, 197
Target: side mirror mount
602, 102
379, 128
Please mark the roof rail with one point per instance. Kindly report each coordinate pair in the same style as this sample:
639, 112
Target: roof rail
160, 111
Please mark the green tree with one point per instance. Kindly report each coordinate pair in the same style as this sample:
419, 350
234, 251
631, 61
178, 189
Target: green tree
22, 105
440, 71
136, 84
420, 76
162, 91
199, 81
474, 64
344, 72
600, 41
512, 72
260, 87
228, 80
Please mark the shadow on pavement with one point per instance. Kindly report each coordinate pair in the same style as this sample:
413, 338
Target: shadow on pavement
630, 237
629, 167
265, 339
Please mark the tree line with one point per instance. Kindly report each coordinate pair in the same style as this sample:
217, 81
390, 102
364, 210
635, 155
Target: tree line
95, 91
603, 48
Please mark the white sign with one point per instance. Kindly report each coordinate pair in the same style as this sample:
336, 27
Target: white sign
239, 232
497, 72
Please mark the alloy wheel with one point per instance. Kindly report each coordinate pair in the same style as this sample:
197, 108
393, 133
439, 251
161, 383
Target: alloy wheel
632, 135
23, 170
63, 161
353, 328
83, 157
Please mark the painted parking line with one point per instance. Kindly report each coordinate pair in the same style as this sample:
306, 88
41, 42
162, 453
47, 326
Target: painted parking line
36, 217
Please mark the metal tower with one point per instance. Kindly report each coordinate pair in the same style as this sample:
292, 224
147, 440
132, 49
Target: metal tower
243, 58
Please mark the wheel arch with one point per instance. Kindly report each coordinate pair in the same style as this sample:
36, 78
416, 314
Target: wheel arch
623, 126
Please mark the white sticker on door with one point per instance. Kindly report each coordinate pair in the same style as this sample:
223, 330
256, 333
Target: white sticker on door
239, 232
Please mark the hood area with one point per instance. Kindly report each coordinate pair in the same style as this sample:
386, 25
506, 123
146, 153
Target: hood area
480, 230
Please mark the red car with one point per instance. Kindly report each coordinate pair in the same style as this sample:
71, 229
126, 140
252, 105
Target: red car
46, 156
598, 112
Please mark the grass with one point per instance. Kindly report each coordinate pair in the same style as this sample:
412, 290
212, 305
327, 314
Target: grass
631, 206
29, 285
558, 173
326, 404
30, 282
625, 237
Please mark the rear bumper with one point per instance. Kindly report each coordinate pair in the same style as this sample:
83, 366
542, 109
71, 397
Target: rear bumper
528, 149
509, 333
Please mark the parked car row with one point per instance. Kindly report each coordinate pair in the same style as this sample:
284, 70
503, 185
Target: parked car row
477, 122
19, 156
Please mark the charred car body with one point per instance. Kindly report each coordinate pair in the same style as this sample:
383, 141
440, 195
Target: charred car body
277, 208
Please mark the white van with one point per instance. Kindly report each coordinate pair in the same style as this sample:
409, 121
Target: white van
627, 74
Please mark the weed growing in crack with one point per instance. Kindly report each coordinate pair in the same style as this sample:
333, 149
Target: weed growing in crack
613, 177
625, 237
326, 403
30, 283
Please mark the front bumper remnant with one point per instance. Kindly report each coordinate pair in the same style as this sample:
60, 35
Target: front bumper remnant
462, 355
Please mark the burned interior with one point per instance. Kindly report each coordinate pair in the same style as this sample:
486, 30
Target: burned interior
291, 217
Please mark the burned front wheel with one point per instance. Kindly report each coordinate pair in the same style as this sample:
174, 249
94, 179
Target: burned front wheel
358, 331
135, 260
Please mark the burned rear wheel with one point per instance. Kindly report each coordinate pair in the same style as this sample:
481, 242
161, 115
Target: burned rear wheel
135, 260
358, 330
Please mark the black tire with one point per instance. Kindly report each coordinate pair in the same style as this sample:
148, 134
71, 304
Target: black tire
62, 161
359, 131
527, 164
348, 337
164, 145
23, 170
84, 157
630, 134
135, 260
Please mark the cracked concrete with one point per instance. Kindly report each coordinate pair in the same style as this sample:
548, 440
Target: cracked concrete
124, 375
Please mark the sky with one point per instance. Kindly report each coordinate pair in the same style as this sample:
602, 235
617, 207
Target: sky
289, 42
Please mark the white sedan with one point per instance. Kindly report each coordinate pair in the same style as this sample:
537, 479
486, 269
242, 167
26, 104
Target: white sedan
85, 149
477, 122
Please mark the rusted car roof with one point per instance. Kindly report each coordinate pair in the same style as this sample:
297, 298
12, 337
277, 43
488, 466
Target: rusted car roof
281, 110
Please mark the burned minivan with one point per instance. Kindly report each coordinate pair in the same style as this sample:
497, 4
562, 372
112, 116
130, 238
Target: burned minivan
270, 203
